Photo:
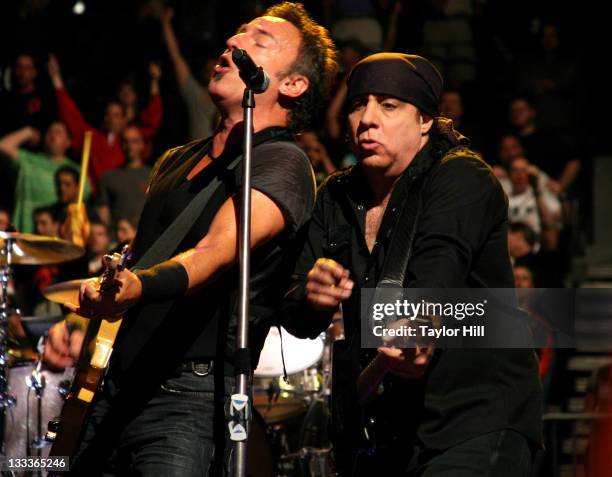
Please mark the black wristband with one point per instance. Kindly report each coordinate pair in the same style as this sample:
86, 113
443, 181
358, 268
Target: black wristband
163, 282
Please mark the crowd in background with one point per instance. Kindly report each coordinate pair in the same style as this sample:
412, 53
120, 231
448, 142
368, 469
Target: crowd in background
135, 74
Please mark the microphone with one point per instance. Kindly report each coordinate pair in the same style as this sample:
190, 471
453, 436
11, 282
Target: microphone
253, 76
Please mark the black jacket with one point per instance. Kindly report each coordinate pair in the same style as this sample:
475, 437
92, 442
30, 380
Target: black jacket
461, 241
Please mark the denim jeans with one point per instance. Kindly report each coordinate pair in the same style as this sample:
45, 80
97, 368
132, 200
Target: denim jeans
180, 431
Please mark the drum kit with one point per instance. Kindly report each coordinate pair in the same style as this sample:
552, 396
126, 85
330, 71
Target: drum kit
30, 394
291, 384
291, 388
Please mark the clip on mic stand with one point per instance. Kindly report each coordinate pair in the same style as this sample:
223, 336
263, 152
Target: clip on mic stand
239, 406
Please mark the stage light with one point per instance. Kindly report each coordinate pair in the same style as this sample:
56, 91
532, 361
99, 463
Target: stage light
78, 8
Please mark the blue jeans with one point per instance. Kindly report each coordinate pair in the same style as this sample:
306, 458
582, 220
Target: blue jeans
179, 431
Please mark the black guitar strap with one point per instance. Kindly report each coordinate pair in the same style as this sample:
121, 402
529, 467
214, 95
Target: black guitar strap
400, 247
165, 245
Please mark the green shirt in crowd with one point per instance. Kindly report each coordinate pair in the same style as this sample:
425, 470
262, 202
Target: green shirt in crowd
35, 185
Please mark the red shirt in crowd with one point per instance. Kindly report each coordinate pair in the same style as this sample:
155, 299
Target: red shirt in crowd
106, 152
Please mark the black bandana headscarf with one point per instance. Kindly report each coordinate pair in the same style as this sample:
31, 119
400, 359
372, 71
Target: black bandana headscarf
410, 78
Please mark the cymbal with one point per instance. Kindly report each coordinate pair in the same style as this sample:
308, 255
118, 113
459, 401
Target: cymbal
64, 292
41, 318
30, 249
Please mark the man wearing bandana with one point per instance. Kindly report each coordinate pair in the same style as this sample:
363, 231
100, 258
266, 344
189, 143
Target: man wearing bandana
443, 412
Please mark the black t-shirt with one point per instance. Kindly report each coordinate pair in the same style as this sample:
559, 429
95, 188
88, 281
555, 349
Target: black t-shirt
202, 325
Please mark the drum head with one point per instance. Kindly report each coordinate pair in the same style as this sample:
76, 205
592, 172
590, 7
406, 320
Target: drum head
300, 354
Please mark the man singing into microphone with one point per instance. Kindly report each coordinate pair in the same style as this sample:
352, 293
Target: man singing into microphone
161, 410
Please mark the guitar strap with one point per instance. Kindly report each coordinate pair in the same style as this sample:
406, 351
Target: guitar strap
397, 257
165, 245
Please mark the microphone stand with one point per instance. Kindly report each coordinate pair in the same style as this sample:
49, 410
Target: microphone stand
239, 407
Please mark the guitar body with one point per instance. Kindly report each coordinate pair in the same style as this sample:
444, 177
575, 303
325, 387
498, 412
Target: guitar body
88, 376
89, 370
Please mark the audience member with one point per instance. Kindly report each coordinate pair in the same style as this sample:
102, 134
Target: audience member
509, 148
106, 152
35, 171
529, 201
523, 277
5, 219
550, 76
25, 104
539, 324
105, 144
126, 229
67, 192
122, 190
46, 221
148, 118
522, 242
349, 53
448, 40
317, 153
355, 18
546, 149
200, 108
98, 243
451, 106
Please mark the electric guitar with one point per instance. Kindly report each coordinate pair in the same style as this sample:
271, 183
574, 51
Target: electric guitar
89, 370
377, 408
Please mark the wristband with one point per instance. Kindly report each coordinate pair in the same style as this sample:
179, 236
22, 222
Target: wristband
163, 282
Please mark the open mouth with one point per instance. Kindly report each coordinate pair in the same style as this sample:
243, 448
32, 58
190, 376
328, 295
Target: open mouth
223, 63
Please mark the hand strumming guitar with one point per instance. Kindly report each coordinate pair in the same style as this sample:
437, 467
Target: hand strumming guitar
110, 300
97, 304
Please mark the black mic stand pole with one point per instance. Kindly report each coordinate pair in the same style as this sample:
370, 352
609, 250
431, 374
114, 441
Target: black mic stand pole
240, 407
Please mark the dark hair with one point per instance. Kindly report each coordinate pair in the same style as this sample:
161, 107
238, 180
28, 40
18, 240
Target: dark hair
46, 209
118, 103
528, 234
30, 54
67, 170
66, 128
133, 220
526, 97
99, 222
317, 60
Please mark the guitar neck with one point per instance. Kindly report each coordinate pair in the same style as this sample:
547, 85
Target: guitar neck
370, 378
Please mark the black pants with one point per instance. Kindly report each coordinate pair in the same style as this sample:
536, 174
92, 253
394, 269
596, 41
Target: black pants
179, 431
503, 453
